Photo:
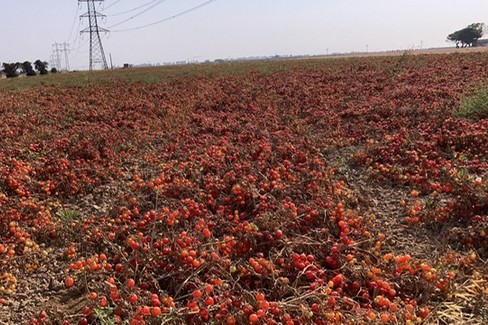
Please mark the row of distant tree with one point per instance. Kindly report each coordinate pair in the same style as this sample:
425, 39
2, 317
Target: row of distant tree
12, 70
462, 38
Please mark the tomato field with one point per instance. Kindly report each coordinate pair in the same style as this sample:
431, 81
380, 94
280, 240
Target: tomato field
331, 191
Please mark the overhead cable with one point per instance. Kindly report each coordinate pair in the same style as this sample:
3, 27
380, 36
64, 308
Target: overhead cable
138, 14
167, 18
131, 10
74, 22
112, 4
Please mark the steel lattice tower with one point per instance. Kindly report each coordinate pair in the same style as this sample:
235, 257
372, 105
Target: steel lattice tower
59, 48
97, 55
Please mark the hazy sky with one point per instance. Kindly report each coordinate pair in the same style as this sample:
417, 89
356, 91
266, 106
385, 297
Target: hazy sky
232, 28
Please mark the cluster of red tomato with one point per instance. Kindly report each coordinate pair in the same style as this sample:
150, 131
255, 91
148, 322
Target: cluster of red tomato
220, 201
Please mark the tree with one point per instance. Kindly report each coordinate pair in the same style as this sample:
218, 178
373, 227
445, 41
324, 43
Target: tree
41, 67
10, 69
467, 36
27, 67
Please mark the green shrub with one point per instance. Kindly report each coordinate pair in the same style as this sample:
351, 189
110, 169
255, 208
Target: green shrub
474, 107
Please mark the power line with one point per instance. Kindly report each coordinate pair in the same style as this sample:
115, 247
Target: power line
111, 5
138, 14
131, 10
77, 39
74, 22
77, 35
167, 18
80, 45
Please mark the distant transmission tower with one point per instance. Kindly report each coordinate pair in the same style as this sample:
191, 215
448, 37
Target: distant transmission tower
58, 48
53, 61
65, 49
57, 56
97, 55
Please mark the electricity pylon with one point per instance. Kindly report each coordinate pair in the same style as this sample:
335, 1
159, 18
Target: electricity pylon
97, 55
65, 49
56, 57
59, 48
